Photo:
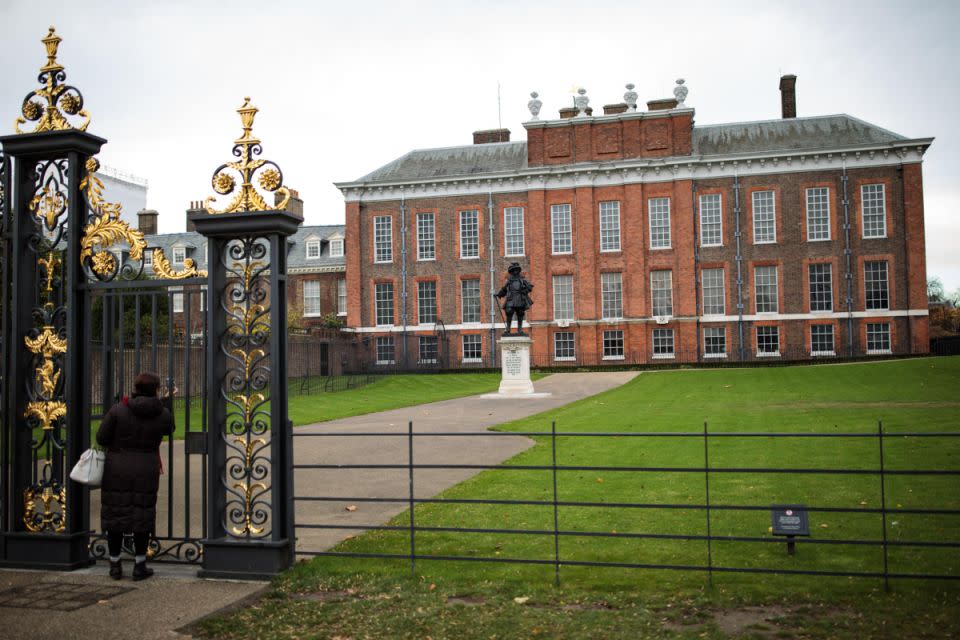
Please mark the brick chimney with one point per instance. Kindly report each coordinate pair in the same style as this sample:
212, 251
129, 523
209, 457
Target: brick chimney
147, 222
611, 109
662, 104
788, 96
491, 135
195, 205
294, 206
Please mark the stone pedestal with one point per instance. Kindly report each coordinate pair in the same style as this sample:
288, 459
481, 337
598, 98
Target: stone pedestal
515, 369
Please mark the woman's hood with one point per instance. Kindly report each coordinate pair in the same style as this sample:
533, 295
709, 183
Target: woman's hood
145, 406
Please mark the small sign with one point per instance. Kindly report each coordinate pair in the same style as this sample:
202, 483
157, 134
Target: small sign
790, 520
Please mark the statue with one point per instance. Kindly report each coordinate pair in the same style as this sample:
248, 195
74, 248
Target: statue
516, 290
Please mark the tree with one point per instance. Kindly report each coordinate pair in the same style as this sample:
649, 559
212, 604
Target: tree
935, 292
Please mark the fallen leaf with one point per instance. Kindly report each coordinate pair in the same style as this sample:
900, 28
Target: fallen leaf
352, 507
823, 525
103, 602
432, 586
600, 480
521, 599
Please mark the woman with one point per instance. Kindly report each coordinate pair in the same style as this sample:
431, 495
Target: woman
131, 433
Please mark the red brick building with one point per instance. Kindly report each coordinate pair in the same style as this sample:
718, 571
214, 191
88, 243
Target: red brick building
647, 238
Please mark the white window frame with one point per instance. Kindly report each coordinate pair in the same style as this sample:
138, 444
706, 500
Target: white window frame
722, 287
607, 281
885, 281
463, 347
376, 305
148, 257
768, 217
383, 239
706, 336
707, 205
889, 349
475, 239
422, 301
426, 237
436, 350
573, 343
463, 301
311, 284
561, 229
513, 232
563, 297
662, 335
623, 345
870, 192
176, 304
659, 291
311, 244
336, 247
833, 341
341, 296
178, 255
818, 207
768, 354
609, 226
393, 346
756, 289
828, 281
658, 212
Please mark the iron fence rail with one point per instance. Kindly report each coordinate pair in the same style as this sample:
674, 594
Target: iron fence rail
881, 471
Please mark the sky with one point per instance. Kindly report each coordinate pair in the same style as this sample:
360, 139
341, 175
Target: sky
347, 87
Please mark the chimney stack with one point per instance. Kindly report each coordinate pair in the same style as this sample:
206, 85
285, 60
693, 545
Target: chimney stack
147, 222
788, 96
491, 135
294, 205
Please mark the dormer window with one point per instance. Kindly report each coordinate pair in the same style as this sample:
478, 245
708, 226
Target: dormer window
313, 249
336, 248
179, 255
148, 257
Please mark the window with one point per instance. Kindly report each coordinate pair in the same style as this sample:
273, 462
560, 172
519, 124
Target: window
426, 237
562, 229
313, 249
563, 297
384, 303
768, 341
715, 342
711, 220
311, 298
610, 226
611, 289
179, 255
873, 211
714, 300
513, 231
878, 337
202, 295
470, 300
765, 283
472, 348
876, 284
385, 350
613, 345
818, 213
383, 239
427, 302
661, 287
342, 297
428, 350
821, 287
764, 217
336, 248
662, 343
563, 346
469, 234
821, 340
148, 257
177, 302
659, 213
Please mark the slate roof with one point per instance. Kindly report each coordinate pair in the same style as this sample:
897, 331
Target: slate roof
794, 134
296, 261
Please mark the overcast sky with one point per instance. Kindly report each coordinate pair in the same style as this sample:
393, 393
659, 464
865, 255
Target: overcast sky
345, 88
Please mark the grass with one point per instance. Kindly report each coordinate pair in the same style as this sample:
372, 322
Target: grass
377, 598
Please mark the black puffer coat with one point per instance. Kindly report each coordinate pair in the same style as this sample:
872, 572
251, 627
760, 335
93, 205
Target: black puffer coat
131, 432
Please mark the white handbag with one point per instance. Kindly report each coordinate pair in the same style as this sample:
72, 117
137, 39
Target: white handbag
89, 468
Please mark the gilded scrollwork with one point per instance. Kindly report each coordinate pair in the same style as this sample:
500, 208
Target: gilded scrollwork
50, 105
162, 268
268, 173
53, 516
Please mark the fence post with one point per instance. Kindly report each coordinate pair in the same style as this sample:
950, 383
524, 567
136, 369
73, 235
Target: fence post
706, 479
883, 509
413, 528
556, 517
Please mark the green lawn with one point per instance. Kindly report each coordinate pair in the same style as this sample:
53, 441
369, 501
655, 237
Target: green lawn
907, 395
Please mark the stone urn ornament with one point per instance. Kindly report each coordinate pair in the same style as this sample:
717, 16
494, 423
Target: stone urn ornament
581, 102
630, 97
534, 105
680, 93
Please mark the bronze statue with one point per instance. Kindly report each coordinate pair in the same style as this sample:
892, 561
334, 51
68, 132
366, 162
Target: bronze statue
516, 290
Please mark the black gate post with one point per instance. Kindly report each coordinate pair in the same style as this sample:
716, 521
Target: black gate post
46, 520
249, 492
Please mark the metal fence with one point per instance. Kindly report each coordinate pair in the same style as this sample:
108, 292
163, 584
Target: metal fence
882, 471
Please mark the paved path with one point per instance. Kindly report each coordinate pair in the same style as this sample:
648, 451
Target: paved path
156, 608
